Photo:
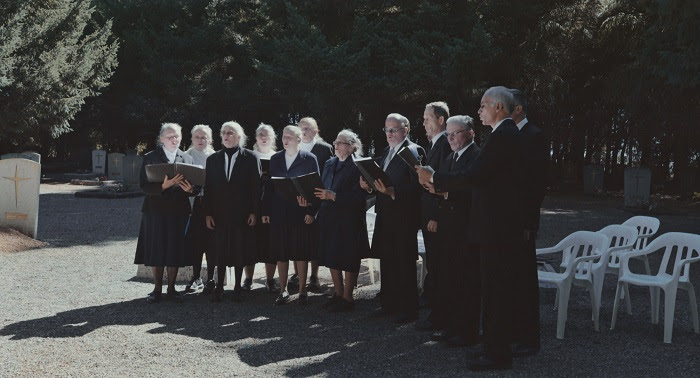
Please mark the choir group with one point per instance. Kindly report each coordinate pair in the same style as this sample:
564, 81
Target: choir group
478, 208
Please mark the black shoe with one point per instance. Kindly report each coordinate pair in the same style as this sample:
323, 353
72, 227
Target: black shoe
331, 301
293, 283
440, 335
380, 312
174, 296
154, 297
209, 287
217, 295
283, 298
402, 318
342, 305
425, 325
303, 298
194, 285
247, 284
521, 350
483, 363
313, 285
237, 295
272, 285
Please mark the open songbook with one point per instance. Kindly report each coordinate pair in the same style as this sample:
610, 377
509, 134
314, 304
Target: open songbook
370, 171
304, 185
193, 173
407, 155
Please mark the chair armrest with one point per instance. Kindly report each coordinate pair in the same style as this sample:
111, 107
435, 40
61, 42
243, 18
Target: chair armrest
621, 248
677, 267
578, 260
546, 251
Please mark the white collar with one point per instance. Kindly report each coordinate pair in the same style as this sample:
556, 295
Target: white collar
460, 152
307, 146
522, 123
170, 155
436, 137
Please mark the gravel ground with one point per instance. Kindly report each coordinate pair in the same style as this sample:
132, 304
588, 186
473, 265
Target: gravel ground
75, 309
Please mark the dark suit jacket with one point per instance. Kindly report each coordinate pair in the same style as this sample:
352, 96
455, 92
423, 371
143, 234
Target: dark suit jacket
435, 158
172, 200
323, 152
458, 202
537, 158
398, 219
232, 201
497, 177
275, 205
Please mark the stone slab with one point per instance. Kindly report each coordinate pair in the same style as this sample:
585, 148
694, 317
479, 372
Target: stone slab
593, 179
30, 155
132, 170
19, 195
637, 187
115, 166
99, 161
183, 274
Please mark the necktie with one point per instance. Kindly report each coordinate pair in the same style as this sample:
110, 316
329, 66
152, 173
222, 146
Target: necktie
455, 156
388, 158
430, 145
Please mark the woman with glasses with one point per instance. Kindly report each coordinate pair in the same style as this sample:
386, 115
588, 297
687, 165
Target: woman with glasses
341, 218
293, 233
166, 210
231, 197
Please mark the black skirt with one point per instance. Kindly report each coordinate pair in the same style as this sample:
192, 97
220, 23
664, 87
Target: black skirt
199, 238
298, 242
262, 233
234, 245
162, 241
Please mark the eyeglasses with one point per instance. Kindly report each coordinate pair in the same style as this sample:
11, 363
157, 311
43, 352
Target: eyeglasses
171, 137
228, 133
392, 131
454, 133
337, 142
200, 137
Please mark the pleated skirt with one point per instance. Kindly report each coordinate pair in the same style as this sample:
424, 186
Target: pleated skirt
262, 233
234, 245
298, 242
162, 241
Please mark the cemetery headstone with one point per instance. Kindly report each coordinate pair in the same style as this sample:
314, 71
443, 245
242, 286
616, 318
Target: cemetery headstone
593, 178
637, 187
30, 155
132, 170
99, 160
115, 166
19, 195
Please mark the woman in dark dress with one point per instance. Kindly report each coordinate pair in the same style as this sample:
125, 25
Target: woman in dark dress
166, 210
293, 234
343, 230
231, 198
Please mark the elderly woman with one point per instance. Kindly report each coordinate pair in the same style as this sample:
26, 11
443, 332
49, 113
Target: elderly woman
166, 209
341, 218
293, 236
198, 236
264, 147
231, 197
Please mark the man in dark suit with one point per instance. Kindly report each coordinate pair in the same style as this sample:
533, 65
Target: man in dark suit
312, 142
496, 221
394, 241
434, 118
526, 334
458, 285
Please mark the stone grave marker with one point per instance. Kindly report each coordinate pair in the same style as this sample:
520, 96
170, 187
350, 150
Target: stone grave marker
115, 166
99, 160
19, 195
132, 170
637, 187
30, 155
593, 178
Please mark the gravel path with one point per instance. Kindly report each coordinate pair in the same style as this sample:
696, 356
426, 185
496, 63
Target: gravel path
75, 309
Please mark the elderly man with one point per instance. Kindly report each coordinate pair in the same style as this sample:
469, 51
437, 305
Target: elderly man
526, 334
434, 118
458, 299
394, 241
312, 142
496, 221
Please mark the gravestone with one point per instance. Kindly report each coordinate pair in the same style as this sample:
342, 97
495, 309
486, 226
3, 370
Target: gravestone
593, 178
183, 274
132, 170
30, 155
115, 166
637, 187
19, 195
99, 160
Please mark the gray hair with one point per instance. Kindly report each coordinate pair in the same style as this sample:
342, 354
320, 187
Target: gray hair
502, 94
238, 129
270, 132
403, 121
206, 130
519, 99
169, 126
314, 125
353, 139
440, 109
294, 130
465, 121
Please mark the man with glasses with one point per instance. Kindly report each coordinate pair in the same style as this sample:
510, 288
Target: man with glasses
394, 241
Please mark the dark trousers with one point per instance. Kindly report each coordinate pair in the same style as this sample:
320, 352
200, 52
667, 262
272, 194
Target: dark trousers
497, 283
434, 265
462, 294
526, 296
399, 286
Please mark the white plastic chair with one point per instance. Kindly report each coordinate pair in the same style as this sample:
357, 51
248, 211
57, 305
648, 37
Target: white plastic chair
622, 240
372, 264
580, 251
646, 228
680, 250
